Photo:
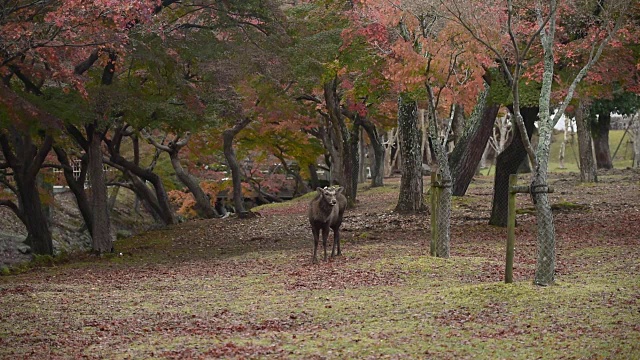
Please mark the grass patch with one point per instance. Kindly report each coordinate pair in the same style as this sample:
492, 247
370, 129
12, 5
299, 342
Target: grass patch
225, 288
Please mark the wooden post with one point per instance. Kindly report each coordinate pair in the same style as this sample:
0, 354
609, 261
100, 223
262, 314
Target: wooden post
434, 217
511, 229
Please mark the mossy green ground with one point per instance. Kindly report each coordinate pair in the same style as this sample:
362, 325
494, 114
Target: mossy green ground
246, 289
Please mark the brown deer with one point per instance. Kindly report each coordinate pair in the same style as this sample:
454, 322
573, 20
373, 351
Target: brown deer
325, 212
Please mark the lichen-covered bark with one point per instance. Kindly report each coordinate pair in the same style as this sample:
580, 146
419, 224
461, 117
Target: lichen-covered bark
410, 198
588, 171
545, 267
636, 140
443, 204
546, 235
470, 146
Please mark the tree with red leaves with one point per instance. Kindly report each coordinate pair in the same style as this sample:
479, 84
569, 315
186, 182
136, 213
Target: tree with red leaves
524, 23
429, 61
49, 45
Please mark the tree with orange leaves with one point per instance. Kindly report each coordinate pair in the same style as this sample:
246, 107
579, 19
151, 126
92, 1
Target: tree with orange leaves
521, 25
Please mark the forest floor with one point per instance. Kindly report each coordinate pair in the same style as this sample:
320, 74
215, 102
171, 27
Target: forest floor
246, 289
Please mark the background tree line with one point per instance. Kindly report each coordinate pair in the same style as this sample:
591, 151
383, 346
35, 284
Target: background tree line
204, 83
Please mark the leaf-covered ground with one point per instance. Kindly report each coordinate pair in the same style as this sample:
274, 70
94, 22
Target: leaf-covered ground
247, 289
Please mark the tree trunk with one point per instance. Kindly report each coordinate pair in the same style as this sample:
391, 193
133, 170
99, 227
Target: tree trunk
377, 170
203, 202
313, 174
77, 187
636, 140
443, 204
546, 243
101, 239
410, 199
39, 235
563, 145
236, 173
546, 234
354, 153
600, 134
146, 196
507, 163
427, 154
26, 159
46, 190
470, 147
341, 138
390, 154
157, 200
588, 171
484, 159
300, 186
457, 124
159, 194
362, 155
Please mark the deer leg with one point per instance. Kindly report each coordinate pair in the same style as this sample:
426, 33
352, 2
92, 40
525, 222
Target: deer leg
333, 247
336, 242
325, 235
316, 238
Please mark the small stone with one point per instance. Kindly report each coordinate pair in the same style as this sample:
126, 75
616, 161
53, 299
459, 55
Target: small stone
24, 249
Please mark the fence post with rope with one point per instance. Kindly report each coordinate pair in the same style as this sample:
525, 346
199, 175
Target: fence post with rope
514, 189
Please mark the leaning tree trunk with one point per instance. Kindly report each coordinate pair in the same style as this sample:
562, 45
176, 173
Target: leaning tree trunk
600, 134
300, 186
470, 147
203, 202
146, 196
507, 163
588, 171
410, 198
236, 173
101, 240
158, 200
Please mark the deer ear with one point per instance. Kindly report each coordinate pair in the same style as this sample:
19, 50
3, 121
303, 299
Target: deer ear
339, 190
319, 190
